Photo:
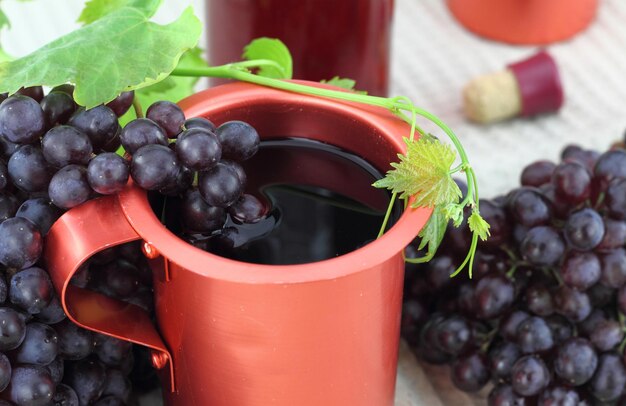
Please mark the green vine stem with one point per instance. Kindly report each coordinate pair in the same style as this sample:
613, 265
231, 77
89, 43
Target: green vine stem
397, 105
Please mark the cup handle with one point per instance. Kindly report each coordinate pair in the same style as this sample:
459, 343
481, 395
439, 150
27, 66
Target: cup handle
74, 238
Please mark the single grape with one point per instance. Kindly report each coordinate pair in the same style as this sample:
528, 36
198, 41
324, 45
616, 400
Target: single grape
537, 173
154, 167
99, 124
69, 187
7, 148
31, 290
220, 186
510, 323
615, 198
87, 378
613, 269
581, 270
29, 170
199, 217
167, 115
609, 379
200, 122
427, 348
34, 92
39, 346
500, 228
453, 335
539, 300
12, 329
572, 182
5, 372
571, 303
494, 295
41, 212
607, 335
503, 395
614, 235
248, 209
112, 351
21, 243
107, 173
561, 328
414, 315
438, 272
64, 145
241, 174
141, 132
30, 385
559, 395
74, 342
114, 143
65, 396
470, 373
610, 165
122, 103
56, 369
21, 120
120, 278
53, 313
529, 207
587, 326
542, 245
529, 375
8, 206
576, 361
65, 88
584, 229
117, 384
57, 108
501, 358
239, 140
199, 150
183, 181
534, 336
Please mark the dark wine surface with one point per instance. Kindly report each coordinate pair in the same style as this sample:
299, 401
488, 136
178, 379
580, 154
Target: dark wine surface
320, 204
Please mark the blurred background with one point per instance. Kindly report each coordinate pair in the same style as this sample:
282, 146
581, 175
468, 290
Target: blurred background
432, 58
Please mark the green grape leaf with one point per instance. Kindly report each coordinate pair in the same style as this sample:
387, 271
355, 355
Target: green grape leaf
96, 9
274, 50
121, 51
433, 233
4, 20
344, 83
423, 172
478, 225
172, 88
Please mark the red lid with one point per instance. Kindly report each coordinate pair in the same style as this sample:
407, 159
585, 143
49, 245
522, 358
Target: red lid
525, 21
539, 83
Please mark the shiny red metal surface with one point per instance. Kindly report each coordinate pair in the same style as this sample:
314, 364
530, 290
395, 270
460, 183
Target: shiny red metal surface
241, 334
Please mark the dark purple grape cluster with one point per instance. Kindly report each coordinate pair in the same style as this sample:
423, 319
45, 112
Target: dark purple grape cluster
543, 320
55, 155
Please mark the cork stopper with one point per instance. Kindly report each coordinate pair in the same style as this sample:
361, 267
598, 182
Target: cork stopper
525, 88
493, 97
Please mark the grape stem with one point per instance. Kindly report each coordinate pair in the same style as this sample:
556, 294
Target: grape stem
397, 105
137, 107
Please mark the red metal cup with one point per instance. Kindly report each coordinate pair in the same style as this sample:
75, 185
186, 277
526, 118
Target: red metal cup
230, 333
